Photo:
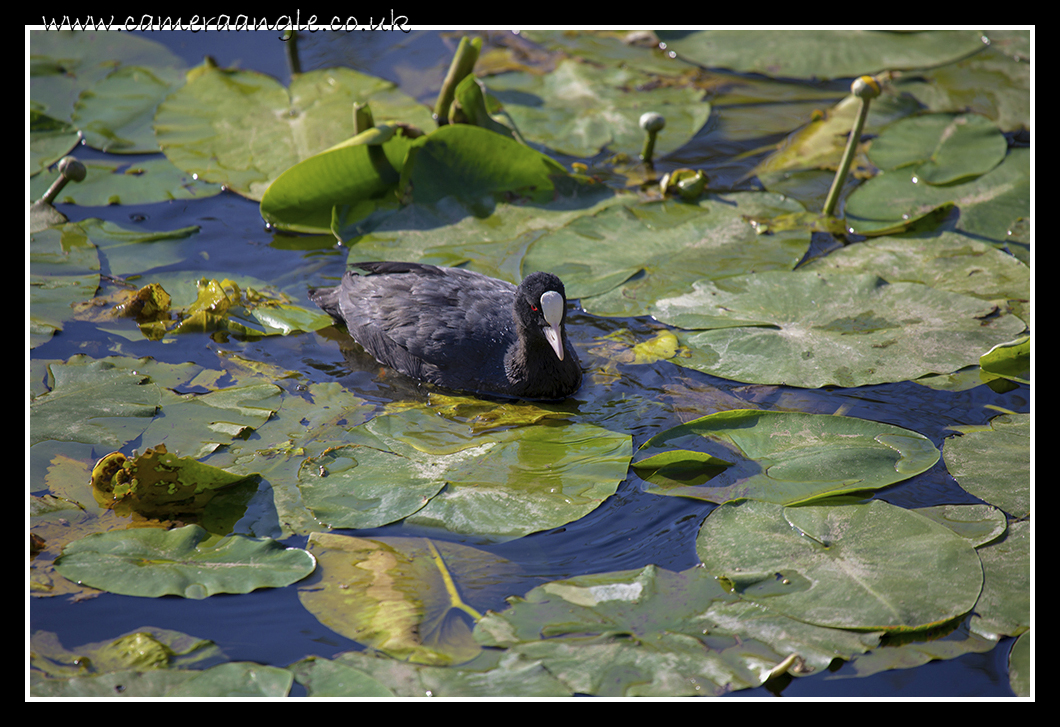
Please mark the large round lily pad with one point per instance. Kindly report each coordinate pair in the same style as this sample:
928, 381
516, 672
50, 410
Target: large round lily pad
813, 330
499, 483
873, 566
780, 457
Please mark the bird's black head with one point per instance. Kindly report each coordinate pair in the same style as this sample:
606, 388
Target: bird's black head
541, 309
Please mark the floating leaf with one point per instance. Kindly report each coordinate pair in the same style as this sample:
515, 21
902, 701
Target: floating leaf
653, 632
492, 674
151, 562
581, 109
843, 330
243, 129
988, 205
1004, 606
500, 484
870, 567
779, 457
158, 483
360, 170
141, 649
234, 679
940, 148
820, 53
1010, 360
402, 596
117, 114
126, 182
993, 463
469, 162
622, 259
94, 402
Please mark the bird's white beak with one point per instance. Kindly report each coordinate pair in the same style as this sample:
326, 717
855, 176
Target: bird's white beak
552, 309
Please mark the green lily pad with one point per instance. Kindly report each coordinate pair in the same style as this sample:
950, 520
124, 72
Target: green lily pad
653, 632
362, 674
1010, 360
151, 562
1004, 606
989, 205
158, 484
470, 162
357, 171
869, 567
622, 259
234, 679
1019, 666
813, 330
778, 457
581, 108
794, 53
242, 129
948, 261
63, 63
993, 463
117, 114
49, 140
143, 181
142, 649
402, 596
94, 402
497, 484
940, 148
63, 270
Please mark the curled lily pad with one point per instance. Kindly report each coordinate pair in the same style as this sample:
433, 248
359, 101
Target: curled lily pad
870, 566
780, 457
158, 483
151, 562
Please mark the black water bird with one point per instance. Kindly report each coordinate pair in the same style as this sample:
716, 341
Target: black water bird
460, 329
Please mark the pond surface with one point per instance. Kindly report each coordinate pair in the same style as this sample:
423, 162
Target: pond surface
629, 530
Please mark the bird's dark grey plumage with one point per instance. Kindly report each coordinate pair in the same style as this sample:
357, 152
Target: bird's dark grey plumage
460, 329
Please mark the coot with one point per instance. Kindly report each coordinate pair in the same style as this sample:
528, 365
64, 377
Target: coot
460, 329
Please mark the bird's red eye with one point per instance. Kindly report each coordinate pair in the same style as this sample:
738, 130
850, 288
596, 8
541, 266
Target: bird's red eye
533, 308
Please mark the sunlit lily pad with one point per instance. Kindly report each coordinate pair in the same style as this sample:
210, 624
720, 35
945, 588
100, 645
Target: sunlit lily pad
94, 402
498, 484
142, 649
1010, 360
949, 261
158, 483
126, 182
653, 632
233, 679
994, 463
152, 562
469, 162
871, 566
1004, 607
407, 597
243, 129
622, 259
940, 148
63, 270
360, 171
796, 53
989, 205
813, 330
780, 457
581, 108
117, 114
362, 674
